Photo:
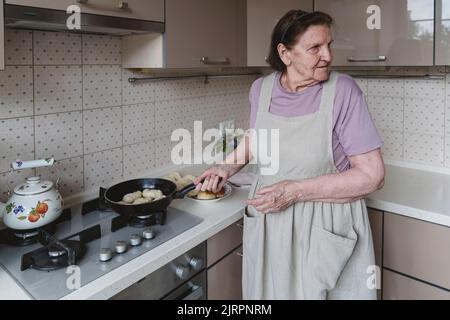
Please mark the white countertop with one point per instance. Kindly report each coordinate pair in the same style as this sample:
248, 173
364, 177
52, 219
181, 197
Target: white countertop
410, 192
419, 194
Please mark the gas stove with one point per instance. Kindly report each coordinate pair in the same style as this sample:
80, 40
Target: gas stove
89, 237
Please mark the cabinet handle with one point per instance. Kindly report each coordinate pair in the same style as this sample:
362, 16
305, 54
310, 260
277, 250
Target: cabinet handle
239, 254
122, 4
240, 225
208, 60
368, 59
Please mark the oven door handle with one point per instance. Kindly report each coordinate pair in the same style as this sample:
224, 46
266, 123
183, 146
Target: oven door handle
196, 294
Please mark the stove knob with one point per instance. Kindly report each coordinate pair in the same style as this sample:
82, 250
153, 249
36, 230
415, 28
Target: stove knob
135, 240
196, 263
148, 234
105, 254
182, 272
121, 246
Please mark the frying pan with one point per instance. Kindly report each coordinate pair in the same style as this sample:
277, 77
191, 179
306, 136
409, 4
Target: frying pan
114, 195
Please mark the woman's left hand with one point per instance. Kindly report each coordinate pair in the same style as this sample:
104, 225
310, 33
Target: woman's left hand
276, 197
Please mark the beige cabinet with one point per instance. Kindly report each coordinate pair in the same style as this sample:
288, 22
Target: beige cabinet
262, 16
225, 278
382, 32
205, 33
224, 242
376, 225
151, 10
417, 249
2, 38
399, 287
224, 262
442, 47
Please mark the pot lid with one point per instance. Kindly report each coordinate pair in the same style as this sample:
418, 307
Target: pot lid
33, 185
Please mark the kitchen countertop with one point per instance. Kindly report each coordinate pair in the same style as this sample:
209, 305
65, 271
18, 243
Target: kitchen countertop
419, 194
410, 192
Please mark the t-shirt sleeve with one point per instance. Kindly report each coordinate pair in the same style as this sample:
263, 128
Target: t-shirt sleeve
354, 125
255, 91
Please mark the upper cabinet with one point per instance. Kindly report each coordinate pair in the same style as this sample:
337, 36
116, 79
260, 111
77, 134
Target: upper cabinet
150, 10
203, 33
381, 32
442, 54
198, 33
262, 16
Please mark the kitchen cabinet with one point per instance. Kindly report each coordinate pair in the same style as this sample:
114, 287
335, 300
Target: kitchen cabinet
203, 33
376, 225
442, 48
399, 287
198, 34
417, 249
224, 263
2, 38
381, 32
262, 16
151, 10
225, 277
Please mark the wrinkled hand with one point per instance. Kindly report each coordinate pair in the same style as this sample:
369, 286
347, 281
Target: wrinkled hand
213, 179
276, 197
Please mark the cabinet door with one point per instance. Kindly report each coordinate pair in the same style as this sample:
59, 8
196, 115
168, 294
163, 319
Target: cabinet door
225, 278
202, 33
262, 16
2, 38
418, 249
404, 35
398, 287
223, 242
442, 32
376, 225
151, 10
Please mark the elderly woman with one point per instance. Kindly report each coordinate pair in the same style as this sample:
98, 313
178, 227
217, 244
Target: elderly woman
306, 228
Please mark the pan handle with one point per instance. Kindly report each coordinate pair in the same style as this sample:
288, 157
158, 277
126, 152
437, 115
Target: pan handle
183, 192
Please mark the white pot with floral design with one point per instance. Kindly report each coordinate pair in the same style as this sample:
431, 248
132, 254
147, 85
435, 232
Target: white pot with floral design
34, 203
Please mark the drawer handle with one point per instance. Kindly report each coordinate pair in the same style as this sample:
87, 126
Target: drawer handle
239, 254
122, 4
208, 60
368, 59
240, 225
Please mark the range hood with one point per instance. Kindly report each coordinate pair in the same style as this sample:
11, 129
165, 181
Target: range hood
23, 17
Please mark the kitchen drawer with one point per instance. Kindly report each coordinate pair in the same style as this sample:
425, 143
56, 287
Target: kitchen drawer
417, 248
225, 241
399, 287
225, 278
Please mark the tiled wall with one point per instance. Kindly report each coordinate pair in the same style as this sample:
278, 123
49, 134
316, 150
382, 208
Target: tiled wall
66, 95
413, 117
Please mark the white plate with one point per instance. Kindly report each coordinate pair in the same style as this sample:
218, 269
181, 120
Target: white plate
228, 190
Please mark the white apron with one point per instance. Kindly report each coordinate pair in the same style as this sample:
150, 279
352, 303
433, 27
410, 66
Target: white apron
311, 250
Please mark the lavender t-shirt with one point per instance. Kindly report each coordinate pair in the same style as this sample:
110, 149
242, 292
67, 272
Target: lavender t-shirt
353, 129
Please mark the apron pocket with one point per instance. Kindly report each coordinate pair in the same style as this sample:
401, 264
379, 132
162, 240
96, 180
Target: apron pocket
327, 258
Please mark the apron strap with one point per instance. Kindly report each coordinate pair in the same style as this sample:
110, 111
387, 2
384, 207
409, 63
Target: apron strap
265, 96
328, 93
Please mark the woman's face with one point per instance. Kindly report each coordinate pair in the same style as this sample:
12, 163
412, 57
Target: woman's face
311, 57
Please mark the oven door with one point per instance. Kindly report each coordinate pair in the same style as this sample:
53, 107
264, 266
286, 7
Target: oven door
194, 289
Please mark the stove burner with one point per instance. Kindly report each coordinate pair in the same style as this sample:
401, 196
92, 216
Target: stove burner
54, 256
138, 221
25, 237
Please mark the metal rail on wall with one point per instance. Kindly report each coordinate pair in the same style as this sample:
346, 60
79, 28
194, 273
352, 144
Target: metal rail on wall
206, 77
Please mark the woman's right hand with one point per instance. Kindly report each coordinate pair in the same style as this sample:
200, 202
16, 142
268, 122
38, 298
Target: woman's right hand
213, 179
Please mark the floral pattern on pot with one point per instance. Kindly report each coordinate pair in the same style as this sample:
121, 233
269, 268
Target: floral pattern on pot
35, 213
